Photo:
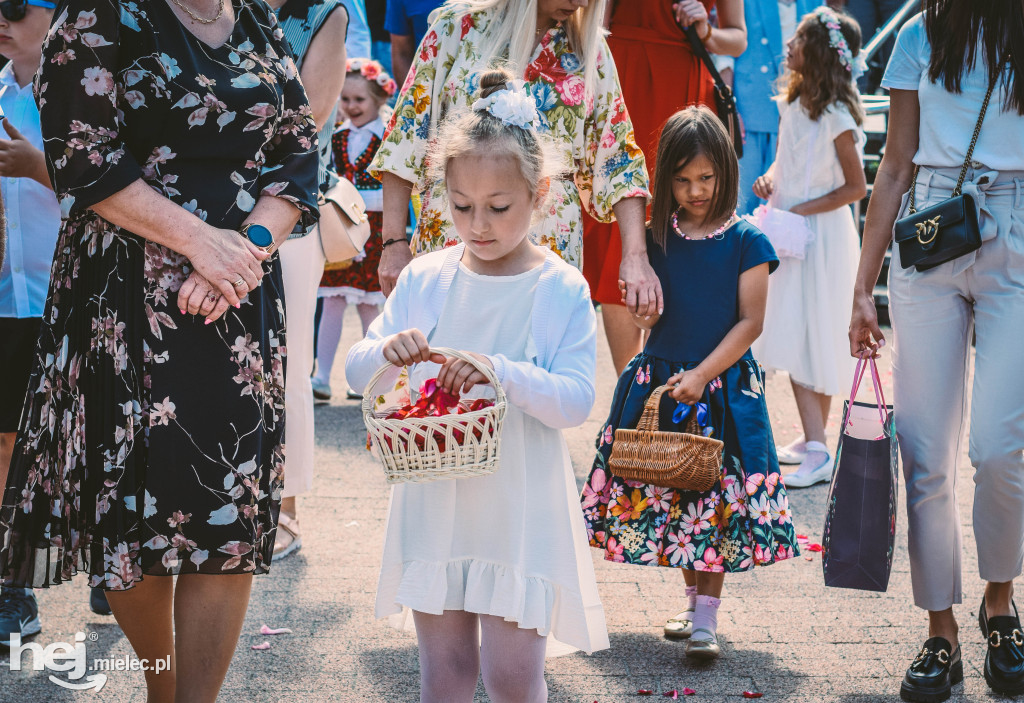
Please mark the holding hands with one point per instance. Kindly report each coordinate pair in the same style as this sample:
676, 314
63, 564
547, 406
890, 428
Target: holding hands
456, 376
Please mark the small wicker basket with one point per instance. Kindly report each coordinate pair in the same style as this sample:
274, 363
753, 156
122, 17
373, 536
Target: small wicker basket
410, 450
684, 460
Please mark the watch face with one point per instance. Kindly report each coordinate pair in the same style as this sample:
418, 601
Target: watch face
259, 235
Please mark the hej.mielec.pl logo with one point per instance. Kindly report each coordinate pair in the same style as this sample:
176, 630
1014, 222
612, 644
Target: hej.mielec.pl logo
71, 661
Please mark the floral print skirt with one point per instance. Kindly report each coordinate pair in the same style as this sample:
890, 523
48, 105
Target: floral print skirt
150, 443
743, 521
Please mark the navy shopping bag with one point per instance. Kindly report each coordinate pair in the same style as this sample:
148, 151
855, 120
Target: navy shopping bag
860, 521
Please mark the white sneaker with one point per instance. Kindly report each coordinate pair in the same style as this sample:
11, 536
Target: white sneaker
816, 468
793, 453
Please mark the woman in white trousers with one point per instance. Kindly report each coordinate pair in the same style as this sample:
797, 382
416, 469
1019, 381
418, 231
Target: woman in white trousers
316, 32
936, 99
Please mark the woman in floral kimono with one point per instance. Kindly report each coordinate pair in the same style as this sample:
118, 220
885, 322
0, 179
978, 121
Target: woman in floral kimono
182, 150
559, 51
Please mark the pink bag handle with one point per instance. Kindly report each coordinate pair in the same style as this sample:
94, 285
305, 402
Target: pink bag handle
858, 376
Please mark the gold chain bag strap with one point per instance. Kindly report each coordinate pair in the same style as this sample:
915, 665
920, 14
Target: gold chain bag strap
684, 460
946, 230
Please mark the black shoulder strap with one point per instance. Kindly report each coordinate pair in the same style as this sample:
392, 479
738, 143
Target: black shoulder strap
702, 53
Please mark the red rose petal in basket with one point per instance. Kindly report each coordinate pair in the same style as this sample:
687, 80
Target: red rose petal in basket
752, 694
265, 630
261, 646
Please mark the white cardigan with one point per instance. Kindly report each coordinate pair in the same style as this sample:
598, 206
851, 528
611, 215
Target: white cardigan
556, 386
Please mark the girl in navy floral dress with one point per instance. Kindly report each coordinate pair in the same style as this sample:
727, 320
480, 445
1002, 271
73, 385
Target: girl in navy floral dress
714, 272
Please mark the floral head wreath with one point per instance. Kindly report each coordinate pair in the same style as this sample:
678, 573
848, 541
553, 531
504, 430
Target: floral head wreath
372, 71
828, 17
512, 105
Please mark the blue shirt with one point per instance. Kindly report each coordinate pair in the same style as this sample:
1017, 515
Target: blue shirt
33, 215
409, 17
700, 281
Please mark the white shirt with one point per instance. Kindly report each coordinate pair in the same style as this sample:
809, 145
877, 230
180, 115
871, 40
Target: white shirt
358, 140
948, 119
33, 215
787, 19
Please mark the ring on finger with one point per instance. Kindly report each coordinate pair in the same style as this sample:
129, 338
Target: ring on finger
211, 297
240, 282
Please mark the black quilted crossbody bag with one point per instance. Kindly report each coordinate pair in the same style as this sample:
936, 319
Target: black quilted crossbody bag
946, 230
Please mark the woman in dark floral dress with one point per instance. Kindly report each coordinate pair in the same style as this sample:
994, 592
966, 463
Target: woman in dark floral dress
152, 438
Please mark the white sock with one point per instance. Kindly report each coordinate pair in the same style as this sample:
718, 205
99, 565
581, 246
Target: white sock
817, 454
705, 618
691, 597
329, 336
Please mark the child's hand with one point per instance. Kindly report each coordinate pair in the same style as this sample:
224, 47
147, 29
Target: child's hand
410, 347
458, 376
764, 186
689, 387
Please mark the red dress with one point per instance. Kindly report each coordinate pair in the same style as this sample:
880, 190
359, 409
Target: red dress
362, 273
659, 75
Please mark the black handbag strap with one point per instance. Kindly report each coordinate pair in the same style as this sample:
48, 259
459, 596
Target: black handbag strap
702, 53
970, 150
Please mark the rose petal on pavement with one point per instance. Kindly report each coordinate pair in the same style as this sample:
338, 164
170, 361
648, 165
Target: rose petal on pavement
261, 646
813, 547
645, 692
264, 630
688, 692
673, 694
352, 524
752, 694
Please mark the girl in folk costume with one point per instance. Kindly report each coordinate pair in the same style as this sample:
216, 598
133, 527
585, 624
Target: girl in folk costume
367, 89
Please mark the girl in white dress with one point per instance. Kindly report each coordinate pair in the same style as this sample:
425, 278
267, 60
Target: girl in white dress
492, 567
818, 172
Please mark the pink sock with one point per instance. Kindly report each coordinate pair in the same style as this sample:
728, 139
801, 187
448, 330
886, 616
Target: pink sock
691, 597
705, 619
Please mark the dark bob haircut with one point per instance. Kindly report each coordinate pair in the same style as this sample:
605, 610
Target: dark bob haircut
687, 134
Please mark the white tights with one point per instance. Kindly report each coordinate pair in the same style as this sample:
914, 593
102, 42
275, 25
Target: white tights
329, 336
456, 646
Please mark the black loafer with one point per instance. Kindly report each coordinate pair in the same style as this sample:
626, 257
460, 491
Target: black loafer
1004, 661
98, 601
933, 672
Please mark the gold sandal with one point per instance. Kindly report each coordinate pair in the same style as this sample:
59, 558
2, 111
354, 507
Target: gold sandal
290, 526
680, 626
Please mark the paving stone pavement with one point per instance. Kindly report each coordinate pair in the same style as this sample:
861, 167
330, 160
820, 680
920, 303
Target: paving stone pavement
784, 633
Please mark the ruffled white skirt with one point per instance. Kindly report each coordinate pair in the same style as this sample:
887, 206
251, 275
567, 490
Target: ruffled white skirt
512, 544
808, 309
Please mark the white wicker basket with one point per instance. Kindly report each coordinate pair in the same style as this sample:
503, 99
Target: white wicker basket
395, 441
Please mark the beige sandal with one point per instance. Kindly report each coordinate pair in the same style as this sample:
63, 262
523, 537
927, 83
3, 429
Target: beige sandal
680, 626
290, 527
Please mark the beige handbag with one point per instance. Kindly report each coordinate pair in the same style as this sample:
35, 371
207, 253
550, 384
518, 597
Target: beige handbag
344, 228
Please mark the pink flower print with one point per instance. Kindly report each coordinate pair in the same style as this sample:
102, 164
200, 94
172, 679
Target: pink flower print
178, 518
98, 81
607, 436
771, 482
716, 383
428, 47
761, 556
780, 510
651, 553
614, 550
594, 488
608, 141
63, 57
753, 482
659, 499
748, 556
122, 564
237, 550
680, 549
572, 90
162, 413
736, 497
697, 519
710, 561
760, 509
784, 552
